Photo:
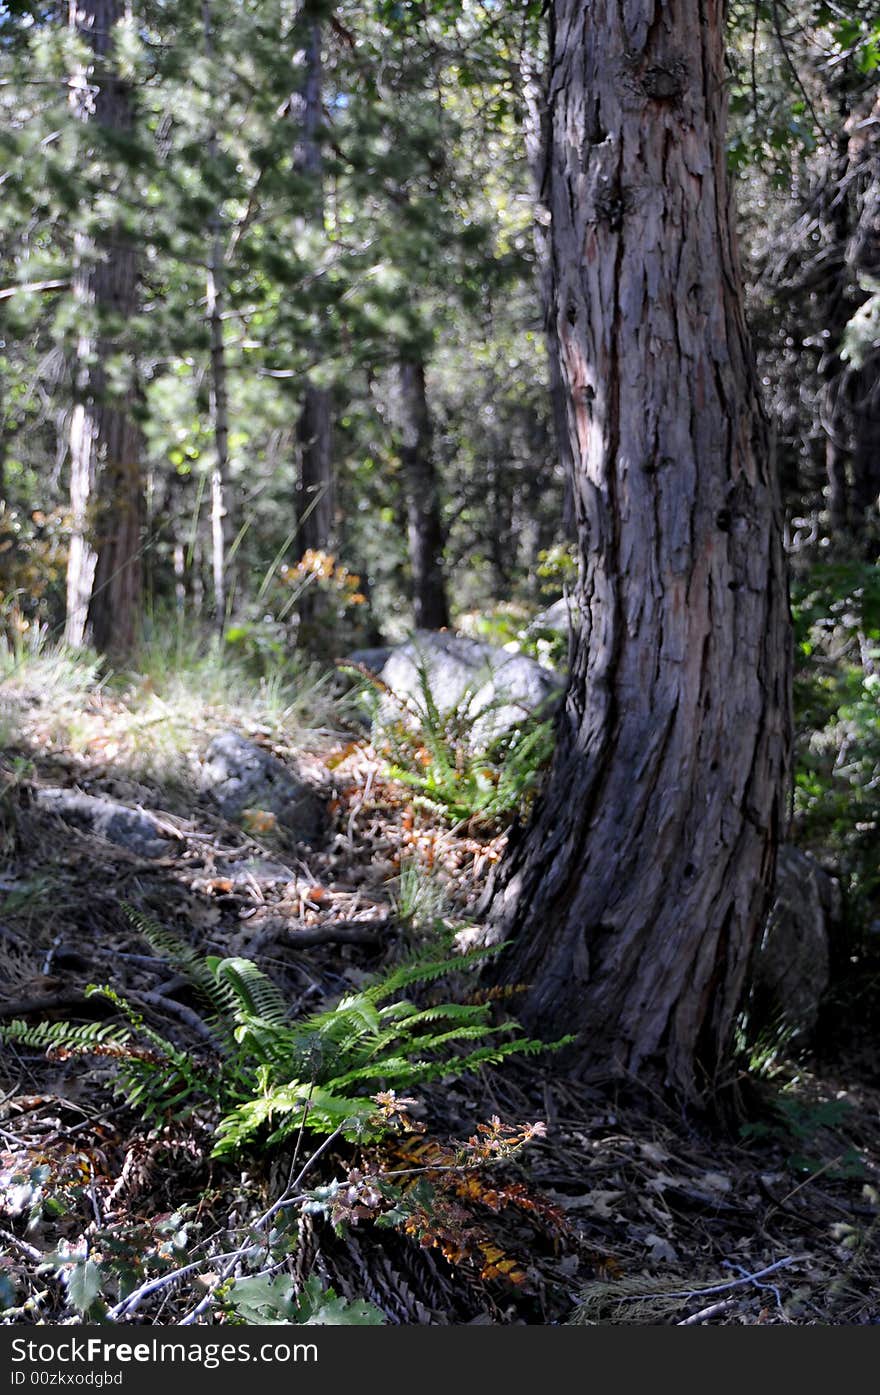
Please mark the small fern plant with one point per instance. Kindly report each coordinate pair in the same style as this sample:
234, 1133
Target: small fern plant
270, 1076
433, 752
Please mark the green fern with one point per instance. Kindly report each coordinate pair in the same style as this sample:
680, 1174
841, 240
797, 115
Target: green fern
153, 1075
432, 752
272, 1076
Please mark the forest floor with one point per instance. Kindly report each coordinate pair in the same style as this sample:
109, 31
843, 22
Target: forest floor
627, 1211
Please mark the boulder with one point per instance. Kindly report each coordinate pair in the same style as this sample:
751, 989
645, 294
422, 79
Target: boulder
556, 619
496, 689
105, 818
238, 774
791, 968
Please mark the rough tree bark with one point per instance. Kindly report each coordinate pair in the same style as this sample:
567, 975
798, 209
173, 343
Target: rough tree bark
635, 896
104, 571
424, 525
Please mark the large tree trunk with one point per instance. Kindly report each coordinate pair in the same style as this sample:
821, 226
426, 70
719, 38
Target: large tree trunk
635, 897
424, 524
104, 572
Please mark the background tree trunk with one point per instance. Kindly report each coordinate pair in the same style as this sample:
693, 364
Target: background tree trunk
221, 518
534, 79
104, 572
863, 262
314, 487
635, 897
424, 525
314, 494
314, 484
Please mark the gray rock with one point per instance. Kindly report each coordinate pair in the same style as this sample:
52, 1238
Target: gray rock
556, 618
790, 972
373, 659
497, 689
104, 818
238, 774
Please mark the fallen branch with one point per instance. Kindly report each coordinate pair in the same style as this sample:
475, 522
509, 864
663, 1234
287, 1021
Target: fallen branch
705, 1313
23, 1007
345, 932
170, 1008
717, 1288
30, 1250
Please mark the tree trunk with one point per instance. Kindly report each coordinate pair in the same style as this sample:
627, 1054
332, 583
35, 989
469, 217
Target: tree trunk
866, 451
635, 897
837, 310
534, 78
104, 571
8, 547
221, 521
314, 494
314, 486
863, 261
424, 525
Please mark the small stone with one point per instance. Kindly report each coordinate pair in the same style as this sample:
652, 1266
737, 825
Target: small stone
239, 776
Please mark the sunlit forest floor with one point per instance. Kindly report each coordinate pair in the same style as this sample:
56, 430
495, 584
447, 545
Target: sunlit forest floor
627, 1211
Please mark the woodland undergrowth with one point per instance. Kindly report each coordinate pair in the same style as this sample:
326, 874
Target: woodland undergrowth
256, 1081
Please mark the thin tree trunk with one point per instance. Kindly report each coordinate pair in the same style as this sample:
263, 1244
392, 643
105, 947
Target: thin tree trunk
314, 493
863, 260
424, 525
7, 534
314, 499
837, 311
314, 484
866, 449
104, 571
635, 897
221, 521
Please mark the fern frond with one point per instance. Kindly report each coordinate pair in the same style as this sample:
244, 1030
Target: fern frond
255, 994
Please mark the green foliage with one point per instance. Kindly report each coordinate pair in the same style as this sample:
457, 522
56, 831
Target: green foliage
807, 1131
837, 712
515, 628
269, 1077
263, 1298
433, 752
